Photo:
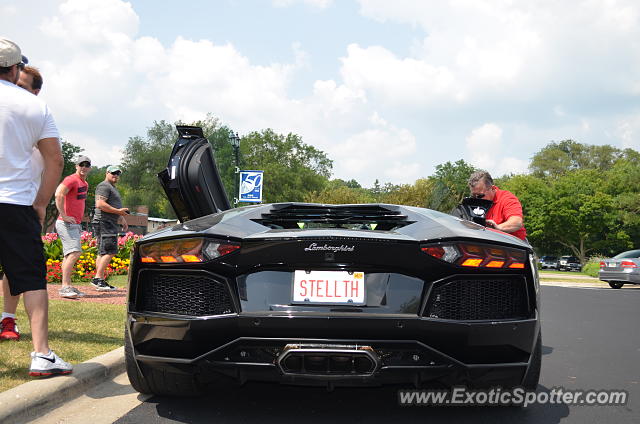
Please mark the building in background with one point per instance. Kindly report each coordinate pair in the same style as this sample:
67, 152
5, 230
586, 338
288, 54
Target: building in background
155, 224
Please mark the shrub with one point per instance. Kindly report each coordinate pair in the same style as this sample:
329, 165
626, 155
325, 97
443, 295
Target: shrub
592, 266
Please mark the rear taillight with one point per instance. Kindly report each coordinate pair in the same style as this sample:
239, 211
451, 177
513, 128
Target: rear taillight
628, 264
602, 264
186, 250
473, 255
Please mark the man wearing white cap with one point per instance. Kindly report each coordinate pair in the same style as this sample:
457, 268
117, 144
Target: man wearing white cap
25, 123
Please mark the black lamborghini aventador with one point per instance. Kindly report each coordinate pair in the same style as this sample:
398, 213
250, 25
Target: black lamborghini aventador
317, 294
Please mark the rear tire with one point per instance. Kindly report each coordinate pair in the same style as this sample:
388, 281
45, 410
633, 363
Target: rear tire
158, 381
615, 284
532, 377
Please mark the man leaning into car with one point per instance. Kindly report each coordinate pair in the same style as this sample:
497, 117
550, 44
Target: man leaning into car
506, 212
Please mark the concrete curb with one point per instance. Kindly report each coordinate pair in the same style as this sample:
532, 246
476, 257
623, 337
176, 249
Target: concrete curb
35, 398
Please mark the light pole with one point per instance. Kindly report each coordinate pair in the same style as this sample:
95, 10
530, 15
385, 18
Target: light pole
235, 142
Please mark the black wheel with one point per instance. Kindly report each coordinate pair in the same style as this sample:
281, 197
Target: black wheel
532, 377
158, 381
615, 284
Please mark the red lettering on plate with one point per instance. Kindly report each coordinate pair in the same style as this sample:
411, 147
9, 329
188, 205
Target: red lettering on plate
326, 289
335, 288
345, 288
303, 285
318, 288
354, 286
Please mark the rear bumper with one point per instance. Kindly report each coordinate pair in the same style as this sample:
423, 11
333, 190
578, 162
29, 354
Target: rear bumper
627, 277
403, 349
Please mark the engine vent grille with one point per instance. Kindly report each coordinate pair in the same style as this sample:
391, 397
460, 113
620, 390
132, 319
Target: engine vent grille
361, 217
185, 294
490, 299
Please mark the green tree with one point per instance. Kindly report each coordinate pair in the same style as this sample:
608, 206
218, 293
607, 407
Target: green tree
623, 182
450, 185
340, 192
555, 159
581, 217
534, 194
415, 194
291, 168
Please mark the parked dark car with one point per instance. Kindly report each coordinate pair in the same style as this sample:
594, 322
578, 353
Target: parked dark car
569, 263
550, 262
323, 295
622, 269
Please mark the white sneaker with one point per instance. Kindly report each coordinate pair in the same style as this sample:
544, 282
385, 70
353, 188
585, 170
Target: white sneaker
51, 364
67, 291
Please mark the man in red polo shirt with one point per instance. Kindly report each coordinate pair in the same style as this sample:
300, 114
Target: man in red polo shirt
70, 198
506, 213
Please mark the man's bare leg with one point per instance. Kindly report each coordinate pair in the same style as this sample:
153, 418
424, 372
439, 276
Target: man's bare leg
10, 302
68, 263
36, 303
102, 262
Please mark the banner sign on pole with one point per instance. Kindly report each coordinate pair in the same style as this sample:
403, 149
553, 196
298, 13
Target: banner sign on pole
250, 186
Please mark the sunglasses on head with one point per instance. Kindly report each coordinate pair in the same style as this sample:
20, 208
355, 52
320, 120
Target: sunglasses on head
85, 164
116, 173
21, 65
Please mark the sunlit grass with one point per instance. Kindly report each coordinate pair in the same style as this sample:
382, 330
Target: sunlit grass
78, 331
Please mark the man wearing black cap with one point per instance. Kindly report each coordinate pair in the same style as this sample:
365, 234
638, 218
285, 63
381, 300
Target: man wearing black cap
70, 197
25, 123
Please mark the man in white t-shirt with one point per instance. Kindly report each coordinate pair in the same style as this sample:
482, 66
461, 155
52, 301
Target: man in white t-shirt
31, 80
25, 123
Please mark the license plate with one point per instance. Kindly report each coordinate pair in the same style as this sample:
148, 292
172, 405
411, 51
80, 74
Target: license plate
328, 287
611, 264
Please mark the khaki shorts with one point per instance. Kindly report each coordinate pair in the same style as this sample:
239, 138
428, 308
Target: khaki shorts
70, 236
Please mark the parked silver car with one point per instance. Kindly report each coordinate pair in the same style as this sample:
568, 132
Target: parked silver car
621, 269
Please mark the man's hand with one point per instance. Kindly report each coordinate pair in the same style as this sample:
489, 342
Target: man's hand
123, 211
69, 219
511, 225
41, 210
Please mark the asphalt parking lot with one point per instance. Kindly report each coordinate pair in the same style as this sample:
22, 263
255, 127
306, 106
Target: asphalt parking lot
590, 341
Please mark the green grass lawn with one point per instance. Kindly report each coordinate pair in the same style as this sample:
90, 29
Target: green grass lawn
565, 277
78, 331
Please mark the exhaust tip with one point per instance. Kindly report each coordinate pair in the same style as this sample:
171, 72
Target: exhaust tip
330, 360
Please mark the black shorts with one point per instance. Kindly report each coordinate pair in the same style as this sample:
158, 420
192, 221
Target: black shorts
106, 234
21, 249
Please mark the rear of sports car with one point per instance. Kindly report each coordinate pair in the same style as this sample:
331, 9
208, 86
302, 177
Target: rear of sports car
349, 295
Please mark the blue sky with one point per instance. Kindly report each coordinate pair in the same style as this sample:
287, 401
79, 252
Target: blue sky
387, 89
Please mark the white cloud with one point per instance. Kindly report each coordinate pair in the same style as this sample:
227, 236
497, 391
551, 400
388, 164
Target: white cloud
101, 150
484, 145
628, 130
393, 80
486, 151
524, 49
383, 152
